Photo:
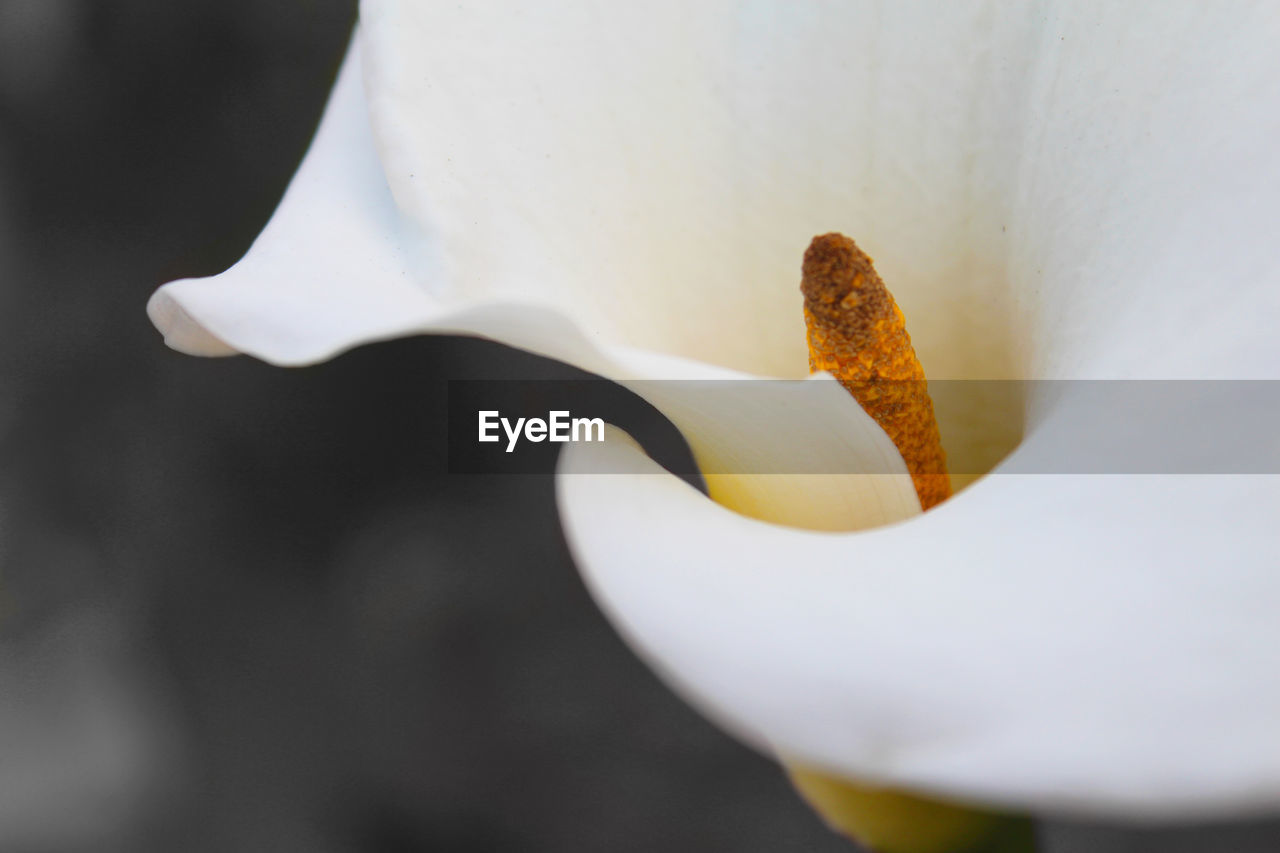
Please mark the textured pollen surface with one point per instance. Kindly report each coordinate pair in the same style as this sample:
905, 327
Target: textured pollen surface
857, 334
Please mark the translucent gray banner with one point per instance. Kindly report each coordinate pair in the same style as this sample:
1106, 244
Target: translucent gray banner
1006, 427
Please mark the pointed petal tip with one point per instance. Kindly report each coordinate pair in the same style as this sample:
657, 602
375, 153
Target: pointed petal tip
181, 331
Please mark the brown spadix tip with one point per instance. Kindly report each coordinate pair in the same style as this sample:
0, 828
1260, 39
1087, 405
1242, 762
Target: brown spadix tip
843, 290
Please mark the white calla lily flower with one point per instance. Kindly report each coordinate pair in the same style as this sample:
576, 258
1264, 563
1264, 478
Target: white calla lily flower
1052, 190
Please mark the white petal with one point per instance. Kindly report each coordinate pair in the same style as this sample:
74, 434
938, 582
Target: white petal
1014, 646
1035, 179
336, 267
1051, 190
655, 170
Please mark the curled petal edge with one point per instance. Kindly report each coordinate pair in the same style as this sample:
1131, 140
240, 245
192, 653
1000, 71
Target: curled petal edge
923, 657
338, 266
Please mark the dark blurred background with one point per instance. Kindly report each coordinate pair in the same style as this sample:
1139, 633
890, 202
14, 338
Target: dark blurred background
244, 608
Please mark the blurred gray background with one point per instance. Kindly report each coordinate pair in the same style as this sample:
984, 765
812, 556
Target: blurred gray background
243, 608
